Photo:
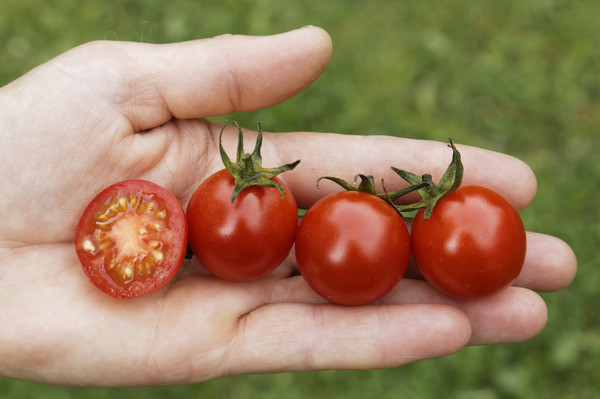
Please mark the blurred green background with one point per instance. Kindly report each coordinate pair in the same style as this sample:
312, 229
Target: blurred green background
515, 76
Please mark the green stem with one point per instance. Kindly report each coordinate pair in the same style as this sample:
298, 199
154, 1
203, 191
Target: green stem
247, 171
429, 191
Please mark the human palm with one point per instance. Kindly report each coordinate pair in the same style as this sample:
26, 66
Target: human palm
106, 112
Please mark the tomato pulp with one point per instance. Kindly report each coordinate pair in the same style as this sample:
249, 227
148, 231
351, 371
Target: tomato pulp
131, 238
352, 247
244, 239
473, 244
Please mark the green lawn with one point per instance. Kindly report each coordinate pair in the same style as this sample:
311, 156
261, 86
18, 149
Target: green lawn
514, 76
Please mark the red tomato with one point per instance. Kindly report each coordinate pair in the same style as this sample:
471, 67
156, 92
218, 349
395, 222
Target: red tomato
245, 239
131, 239
473, 244
352, 247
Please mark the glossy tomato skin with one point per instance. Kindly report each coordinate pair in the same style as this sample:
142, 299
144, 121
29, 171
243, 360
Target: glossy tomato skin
352, 248
246, 239
473, 244
131, 238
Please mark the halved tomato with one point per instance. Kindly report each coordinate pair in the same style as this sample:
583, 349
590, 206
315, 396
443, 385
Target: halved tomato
131, 239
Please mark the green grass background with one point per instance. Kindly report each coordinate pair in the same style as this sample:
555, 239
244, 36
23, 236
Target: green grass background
515, 76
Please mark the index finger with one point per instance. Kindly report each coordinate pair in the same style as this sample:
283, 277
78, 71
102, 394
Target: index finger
344, 156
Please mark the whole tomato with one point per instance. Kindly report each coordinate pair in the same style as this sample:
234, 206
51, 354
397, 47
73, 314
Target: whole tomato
244, 239
352, 247
472, 245
243, 219
131, 238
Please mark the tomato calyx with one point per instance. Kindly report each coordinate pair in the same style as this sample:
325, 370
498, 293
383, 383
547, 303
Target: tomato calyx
367, 185
247, 170
429, 191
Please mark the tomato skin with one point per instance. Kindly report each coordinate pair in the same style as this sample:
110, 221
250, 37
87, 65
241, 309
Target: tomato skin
352, 247
473, 245
150, 222
246, 239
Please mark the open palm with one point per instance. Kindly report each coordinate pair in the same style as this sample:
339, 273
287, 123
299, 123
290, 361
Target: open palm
106, 112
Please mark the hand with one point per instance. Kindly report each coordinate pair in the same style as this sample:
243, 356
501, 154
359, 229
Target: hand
110, 111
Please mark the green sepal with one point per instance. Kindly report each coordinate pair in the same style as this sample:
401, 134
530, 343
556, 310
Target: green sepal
429, 191
247, 170
367, 185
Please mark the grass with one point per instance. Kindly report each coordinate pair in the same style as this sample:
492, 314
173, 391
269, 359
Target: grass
514, 76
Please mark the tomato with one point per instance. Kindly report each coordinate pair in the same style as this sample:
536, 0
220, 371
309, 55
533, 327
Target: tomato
352, 247
244, 239
131, 239
473, 244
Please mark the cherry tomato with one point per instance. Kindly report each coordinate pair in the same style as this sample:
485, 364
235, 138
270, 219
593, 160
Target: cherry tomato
244, 239
131, 238
352, 247
473, 244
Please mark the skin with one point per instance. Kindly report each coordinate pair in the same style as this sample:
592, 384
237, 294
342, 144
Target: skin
472, 246
352, 248
257, 230
102, 113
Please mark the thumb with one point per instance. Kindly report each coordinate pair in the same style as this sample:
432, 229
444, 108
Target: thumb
150, 84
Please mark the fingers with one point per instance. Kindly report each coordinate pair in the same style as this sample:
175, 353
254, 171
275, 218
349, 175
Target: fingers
345, 156
550, 264
297, 336
514, 315
316, 337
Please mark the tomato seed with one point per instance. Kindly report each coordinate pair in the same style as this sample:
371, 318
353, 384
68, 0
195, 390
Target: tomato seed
112, 264
148, 207
158, 256
128, 271
105, 244
154, 244
122, 204
89, 246
149, 267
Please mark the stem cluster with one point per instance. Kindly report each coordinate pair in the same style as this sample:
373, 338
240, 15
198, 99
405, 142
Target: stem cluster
247, 170
429, 191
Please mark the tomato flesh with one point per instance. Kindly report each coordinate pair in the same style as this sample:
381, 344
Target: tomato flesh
473, 245
131, 238
245, 239
352, 248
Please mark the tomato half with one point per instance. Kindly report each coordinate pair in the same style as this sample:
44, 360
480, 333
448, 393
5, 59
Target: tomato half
131, 238
352, 247
473, 244
245, 239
